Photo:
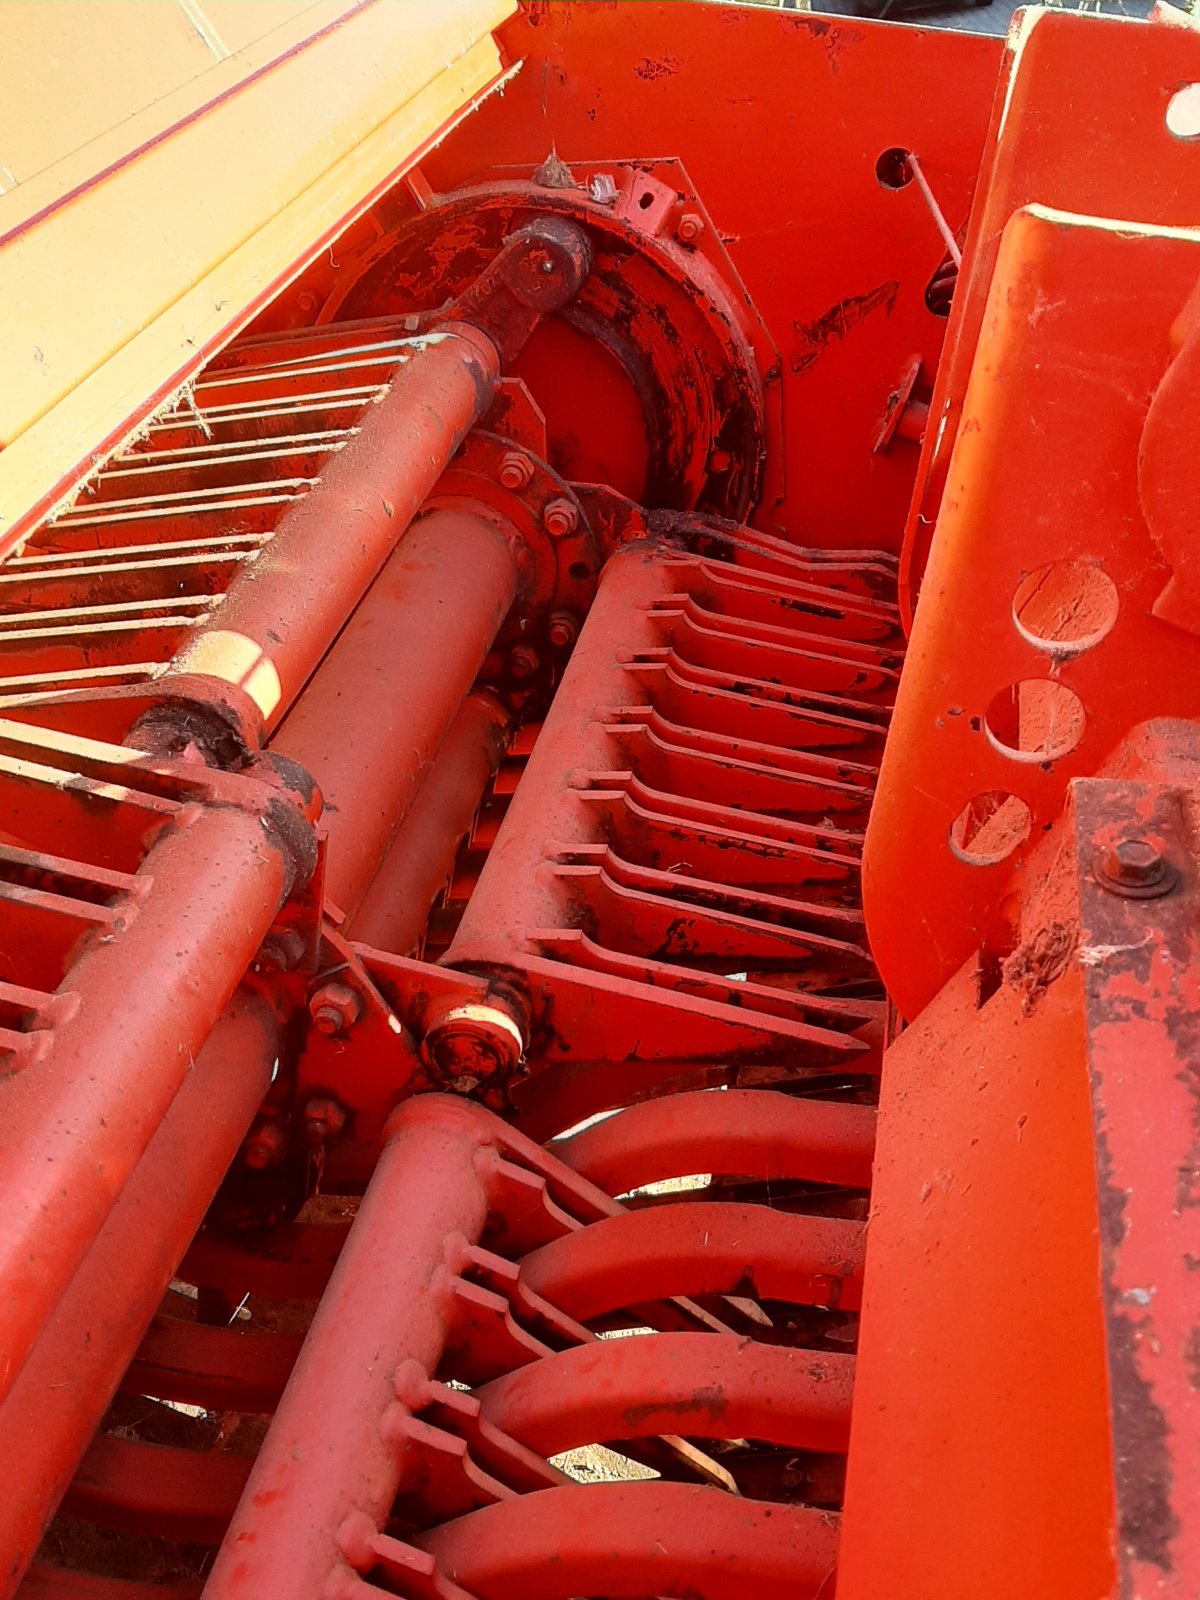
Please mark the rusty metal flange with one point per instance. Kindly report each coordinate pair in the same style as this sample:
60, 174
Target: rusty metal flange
557, 552
653, 377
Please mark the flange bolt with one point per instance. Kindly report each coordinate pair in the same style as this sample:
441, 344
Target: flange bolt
563, 630
334, 1008
265, 1146
560, 518
1136, 868
324, 1118
515, 470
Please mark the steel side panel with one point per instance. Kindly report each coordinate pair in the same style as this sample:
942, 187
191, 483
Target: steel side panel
980, 1460
1070, 84
1076, 338
779, 118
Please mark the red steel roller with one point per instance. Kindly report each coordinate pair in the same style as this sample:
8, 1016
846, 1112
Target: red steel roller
376, 712
281, 614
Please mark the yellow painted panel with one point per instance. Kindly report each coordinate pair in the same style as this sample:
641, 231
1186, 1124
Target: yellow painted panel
238, 23
109, 301
71, 70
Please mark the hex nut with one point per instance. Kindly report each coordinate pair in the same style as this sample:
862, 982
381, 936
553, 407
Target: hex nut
334, 1008
560, 518
516, 469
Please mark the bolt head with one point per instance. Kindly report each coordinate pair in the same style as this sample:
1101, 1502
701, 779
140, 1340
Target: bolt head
1137, 868
691, 226
516, 469
282, 949
324, 1118
1135, 861
523, 661
560, 518
265, 1147
563, 630
334, 1008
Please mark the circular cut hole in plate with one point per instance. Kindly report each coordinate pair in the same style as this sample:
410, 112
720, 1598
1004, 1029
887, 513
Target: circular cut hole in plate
1035, 720
892, 169
989, 828
1066, 607
1183, 112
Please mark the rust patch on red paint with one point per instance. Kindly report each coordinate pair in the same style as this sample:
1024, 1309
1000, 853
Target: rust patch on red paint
1148, 1523
703, 1402
651, 68
814, 338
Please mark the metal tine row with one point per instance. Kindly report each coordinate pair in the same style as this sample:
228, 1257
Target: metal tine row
684, 888
530, 1305
781, 599
741, 774
28, 688
800, 1017
736, 542
801, 661
130, 562
218, 416
25, 566
200, 497
652, 920
44, 655
713, 701
90, 586
809, 843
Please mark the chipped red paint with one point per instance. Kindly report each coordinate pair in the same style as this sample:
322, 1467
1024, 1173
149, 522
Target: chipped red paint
1142, 1010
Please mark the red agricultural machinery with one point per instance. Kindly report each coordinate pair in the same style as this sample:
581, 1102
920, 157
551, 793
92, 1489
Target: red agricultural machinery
598, 841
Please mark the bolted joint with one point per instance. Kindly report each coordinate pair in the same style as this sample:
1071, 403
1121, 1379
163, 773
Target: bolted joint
516, 470
523, 662
536, 271
195, 719
324, 1119
563, 629
1137, 869
560, 518
291, 812
265, 1147
545, 263
691, 226
334, 1008
277, 792
282, 950
475, 1042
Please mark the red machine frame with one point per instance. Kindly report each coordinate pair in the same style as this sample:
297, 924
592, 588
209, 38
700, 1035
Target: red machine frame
463, 764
